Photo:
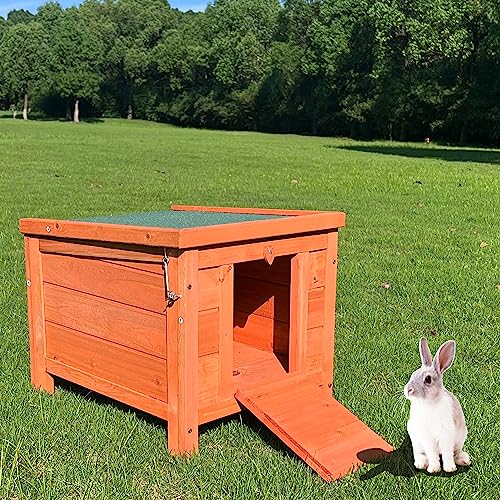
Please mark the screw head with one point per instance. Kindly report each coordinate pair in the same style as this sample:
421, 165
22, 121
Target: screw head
47, 229
28, 282
181, 320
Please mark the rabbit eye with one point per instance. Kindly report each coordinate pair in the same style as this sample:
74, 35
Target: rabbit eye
428, 379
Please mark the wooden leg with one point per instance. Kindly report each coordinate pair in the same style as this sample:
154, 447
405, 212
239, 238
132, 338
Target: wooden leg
329, 311
34, 282
182, 355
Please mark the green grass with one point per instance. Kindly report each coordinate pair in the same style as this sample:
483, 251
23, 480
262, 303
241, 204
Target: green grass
424, 219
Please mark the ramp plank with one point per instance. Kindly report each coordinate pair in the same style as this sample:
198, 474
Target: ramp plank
325, 434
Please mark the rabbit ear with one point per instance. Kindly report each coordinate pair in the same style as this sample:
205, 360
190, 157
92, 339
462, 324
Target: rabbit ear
444, 356
425, 353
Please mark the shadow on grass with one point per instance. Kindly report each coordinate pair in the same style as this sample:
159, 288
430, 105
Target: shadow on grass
100, 399
458, 154
398, 462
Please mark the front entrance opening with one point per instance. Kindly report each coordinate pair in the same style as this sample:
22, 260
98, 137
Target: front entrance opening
261, 321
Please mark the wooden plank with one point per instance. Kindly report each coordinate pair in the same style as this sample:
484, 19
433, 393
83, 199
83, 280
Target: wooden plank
218, 410
261, 298
208, 381
103, 250
316, 307
36, 319
254, 251
260, 229
118, 283
117, 392
317, 262
254, 367
226, 311
182, 353
329, 309
314, 341
98, 231
299, 302
278, 272
208, 328
209, 288
125, 325
260, 332
119, 365
330, 446
261, 211
184, 238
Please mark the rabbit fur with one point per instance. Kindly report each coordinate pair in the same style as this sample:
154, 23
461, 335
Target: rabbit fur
437, 424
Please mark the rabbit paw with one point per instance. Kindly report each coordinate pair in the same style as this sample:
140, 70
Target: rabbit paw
421, 461
449, 467
462, 458
433, 468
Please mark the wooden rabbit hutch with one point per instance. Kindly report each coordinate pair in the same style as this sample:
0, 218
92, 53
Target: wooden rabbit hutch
195, 313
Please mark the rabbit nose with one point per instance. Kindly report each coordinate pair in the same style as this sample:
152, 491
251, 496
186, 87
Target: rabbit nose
410, 390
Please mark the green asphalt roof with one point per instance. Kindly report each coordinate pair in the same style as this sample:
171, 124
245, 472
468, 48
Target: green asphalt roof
178, 219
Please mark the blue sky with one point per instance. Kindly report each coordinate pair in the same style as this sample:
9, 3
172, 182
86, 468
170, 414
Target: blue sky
32, 5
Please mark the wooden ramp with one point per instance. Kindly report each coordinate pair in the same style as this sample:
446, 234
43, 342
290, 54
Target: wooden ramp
327, 436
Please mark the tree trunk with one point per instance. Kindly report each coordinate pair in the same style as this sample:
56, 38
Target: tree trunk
76, 114
463, 134
314, 121
25, 107
402, 133
352, 130
130, 112
68, 111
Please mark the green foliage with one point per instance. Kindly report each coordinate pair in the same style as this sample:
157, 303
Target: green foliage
365, 68
19, 16
25, 57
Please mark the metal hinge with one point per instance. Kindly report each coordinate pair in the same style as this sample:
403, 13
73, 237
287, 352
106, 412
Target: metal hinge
170, 295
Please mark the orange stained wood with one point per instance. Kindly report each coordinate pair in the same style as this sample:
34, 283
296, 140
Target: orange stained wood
119, 365
126, 325
122, 284
299, 301
278, 272
254, 367
261, 332
103, 250
182, 354
260, 211
112, 390
260, 229
328, 313
321, 431
253, 251
225, 333
298, 223
260, 297
36, 316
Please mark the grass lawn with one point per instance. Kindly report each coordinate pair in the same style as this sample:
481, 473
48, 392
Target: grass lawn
424, 220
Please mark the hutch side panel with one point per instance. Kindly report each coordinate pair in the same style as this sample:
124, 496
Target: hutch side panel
105, 325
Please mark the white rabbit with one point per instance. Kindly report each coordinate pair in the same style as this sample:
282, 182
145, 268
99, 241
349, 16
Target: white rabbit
437, 424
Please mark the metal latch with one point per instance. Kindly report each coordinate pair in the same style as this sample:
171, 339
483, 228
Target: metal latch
170, 295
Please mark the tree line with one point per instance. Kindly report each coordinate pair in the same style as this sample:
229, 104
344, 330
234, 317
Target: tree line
393, 69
